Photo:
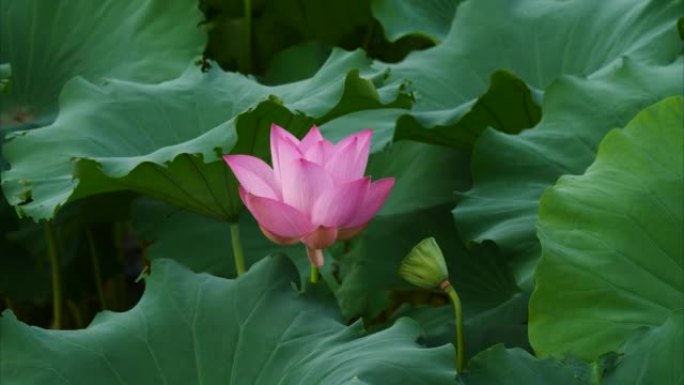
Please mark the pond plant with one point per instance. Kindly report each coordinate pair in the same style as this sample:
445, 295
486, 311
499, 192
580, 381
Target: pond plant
341, 192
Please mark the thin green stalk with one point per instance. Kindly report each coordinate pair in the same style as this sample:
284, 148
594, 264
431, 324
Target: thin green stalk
76, 314
314, 274
237, 249
247, 37
458, 313
56, 278
367, 38
95, 260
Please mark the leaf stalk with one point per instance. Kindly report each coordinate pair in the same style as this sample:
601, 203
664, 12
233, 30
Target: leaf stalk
314, 274
95, 261
247, 37
53, 256
238, 255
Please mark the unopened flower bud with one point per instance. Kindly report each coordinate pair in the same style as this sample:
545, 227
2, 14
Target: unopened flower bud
424, 266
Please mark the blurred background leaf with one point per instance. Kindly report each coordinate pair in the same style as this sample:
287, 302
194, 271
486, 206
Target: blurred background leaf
47, 43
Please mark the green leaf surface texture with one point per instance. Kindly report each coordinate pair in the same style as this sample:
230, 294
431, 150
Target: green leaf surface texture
612, 251
49, 42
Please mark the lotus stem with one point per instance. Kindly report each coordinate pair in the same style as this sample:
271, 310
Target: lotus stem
315, 256
247, 36
458, 313
314, 274
95, 260
53, 255
238, 256
75, 313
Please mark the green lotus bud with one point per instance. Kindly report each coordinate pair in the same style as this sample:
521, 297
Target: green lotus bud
424, 266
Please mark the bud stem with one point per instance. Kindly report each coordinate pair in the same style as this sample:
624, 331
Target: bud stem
238, 256
458, 313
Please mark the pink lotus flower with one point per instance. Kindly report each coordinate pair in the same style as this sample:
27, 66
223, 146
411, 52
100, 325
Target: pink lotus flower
315, 193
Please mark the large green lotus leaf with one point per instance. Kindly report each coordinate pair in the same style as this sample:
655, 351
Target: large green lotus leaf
612, 248
508, 105
652, 356
402, 18
197, 328
382, 121
165, 140
538, 41
511, 172
502, 366
49, 42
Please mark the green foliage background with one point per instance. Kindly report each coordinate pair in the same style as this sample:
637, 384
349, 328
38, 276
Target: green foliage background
540, 142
